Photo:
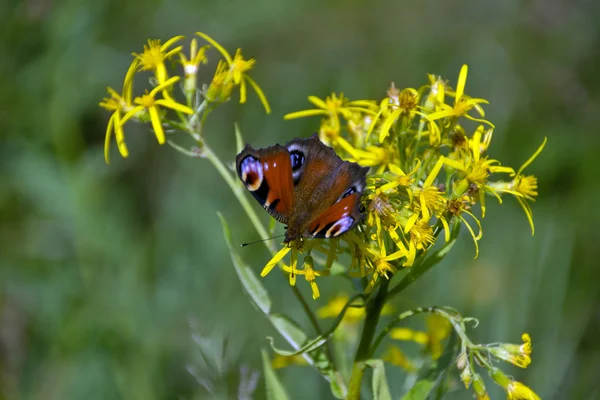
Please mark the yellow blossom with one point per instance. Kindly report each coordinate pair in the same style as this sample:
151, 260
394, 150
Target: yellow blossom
462, 103
408, 334
119, 104
523, 187
515, 390
431, 201
458, 206
518, 391
421, 234
332, 107
380, 262
190, 67
404, 105
396, 357
154, 56
519, 355
353, 314
236, 71
148, 103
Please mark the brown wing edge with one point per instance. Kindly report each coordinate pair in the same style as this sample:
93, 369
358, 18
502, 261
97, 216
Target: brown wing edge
278, 191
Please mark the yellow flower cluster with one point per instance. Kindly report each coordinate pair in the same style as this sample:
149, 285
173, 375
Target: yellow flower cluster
153, 105
429, 167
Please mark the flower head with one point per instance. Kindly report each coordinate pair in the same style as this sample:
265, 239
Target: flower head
148, 103
462, 103
234, 71
519, 355
332, 108
154, 56
119, 104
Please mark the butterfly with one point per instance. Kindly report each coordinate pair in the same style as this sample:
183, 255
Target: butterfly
304, 185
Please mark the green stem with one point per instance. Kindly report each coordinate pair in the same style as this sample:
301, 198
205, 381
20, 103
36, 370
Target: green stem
236, 189
363, 352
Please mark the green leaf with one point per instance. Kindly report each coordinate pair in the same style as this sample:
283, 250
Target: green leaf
381, 390
289, 330
275, 389
250, 282
434, 373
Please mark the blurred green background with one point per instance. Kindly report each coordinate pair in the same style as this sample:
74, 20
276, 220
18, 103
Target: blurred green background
113, 278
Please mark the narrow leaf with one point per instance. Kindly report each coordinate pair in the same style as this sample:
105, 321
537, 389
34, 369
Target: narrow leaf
250, 282
275, 389
381, 390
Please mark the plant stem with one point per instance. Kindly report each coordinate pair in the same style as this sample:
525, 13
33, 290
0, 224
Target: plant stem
363, 353
229, 178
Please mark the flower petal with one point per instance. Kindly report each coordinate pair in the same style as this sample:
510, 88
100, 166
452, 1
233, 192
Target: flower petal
276, 258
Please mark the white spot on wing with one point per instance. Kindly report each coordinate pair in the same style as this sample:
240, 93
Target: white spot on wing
341, 226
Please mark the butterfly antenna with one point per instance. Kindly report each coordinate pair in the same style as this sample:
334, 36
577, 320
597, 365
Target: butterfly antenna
262, 240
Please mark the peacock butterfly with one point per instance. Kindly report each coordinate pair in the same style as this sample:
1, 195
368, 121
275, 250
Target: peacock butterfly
304, 185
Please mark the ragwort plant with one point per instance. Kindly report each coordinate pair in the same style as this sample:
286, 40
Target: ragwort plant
428, 171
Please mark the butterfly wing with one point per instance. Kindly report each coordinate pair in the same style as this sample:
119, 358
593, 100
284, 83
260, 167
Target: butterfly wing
267, 174
327, 190
337, 219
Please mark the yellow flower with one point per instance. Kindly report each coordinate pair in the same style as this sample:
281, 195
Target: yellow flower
275, 259
148, 103
408, 334
221, 85
514, 390
518, 391
353, 314
476, 172
396, 357
236, 71
519, 355
431, 200
335, 306
523, 187
404, 105
380, 262
154, 55
190, 67
421, 234
119, 104
462, 103
197, 57
332, 107
458, 206
399, 178
438, 328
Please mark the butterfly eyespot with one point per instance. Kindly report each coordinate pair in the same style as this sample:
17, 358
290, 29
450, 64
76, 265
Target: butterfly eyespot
297, 158
251, 172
